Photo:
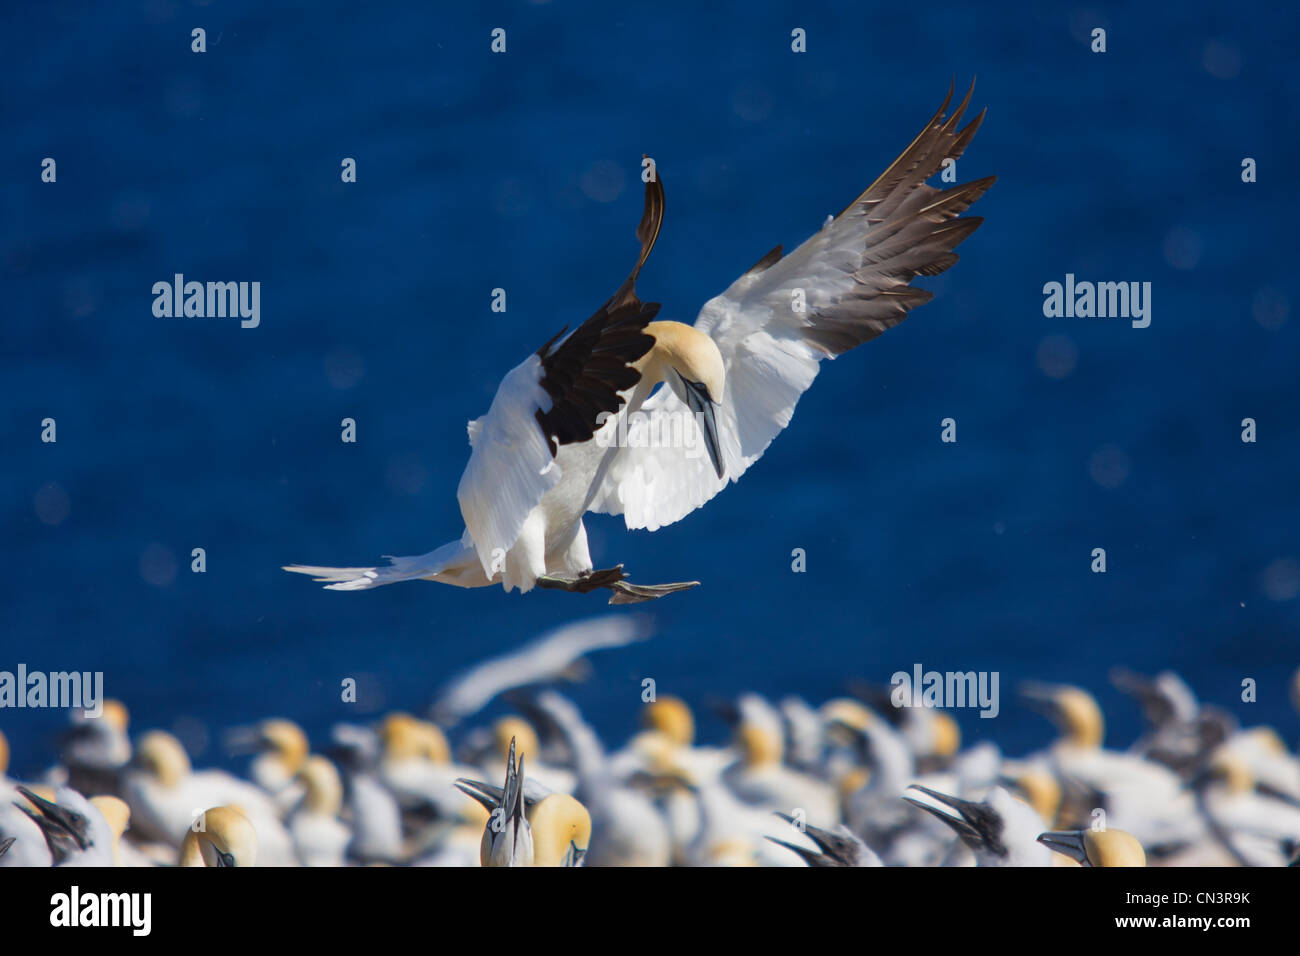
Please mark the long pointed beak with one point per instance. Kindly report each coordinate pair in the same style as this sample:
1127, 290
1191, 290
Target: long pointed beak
955, 812
701, 406
63, 828
486, 794
1067, 842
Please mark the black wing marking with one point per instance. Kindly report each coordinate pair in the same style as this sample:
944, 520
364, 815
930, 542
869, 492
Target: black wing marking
914, 229
584, 373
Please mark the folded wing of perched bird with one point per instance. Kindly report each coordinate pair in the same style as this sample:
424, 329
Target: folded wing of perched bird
582, 425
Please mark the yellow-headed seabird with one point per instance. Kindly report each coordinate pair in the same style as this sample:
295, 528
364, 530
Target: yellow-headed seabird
578, 426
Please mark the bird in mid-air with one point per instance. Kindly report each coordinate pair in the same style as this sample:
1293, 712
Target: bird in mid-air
582, 425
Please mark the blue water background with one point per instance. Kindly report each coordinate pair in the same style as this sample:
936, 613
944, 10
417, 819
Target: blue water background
478, 171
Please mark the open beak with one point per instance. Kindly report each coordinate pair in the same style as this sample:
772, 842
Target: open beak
701, 406
1067, 842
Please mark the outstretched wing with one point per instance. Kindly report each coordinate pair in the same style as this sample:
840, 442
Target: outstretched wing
774, 325
554, 397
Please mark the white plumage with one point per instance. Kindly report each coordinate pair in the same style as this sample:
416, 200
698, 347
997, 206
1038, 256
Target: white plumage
579, 426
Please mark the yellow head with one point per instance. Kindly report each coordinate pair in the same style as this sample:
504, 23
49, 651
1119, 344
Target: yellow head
561, 831
1113, 848
1074, 711
759, 746
517, 729
324, 787
1041, 790
406, 738
116, 714
946, 734
689, 361
162, 756
221, 836
286, 741
1096, 847
671, 717
117, 814
846, 711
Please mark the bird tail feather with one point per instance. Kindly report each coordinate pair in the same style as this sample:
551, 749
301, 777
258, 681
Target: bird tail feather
441, 560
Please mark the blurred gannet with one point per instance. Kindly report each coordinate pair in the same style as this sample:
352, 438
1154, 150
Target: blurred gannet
1000, 830
547, 658
21, 838
1146, 799
318, 835
729, 832
1096, 847
528, 826
282, 751
75, 830
166, 795
416, 765
1257, 829
838, 847
1276, 771
551, 446
668, 742
222, 836
95, 749
627, 828
872, 808
371, 807
21, 841
1179, 732
118, 817
761, 778
549, 774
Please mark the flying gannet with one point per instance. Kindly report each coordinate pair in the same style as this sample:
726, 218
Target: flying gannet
579, 425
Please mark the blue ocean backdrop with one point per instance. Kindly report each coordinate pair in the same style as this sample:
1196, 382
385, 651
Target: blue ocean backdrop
520, 170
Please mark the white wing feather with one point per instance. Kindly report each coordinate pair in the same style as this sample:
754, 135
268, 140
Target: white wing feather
853, 276
510, 468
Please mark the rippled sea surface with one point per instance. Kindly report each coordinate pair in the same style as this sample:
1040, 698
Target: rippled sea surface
519, 171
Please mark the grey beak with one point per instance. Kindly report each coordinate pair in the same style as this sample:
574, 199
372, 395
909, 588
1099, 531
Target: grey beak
701, 406
1067, 842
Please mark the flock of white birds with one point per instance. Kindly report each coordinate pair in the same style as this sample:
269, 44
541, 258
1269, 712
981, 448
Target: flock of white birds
852, 782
